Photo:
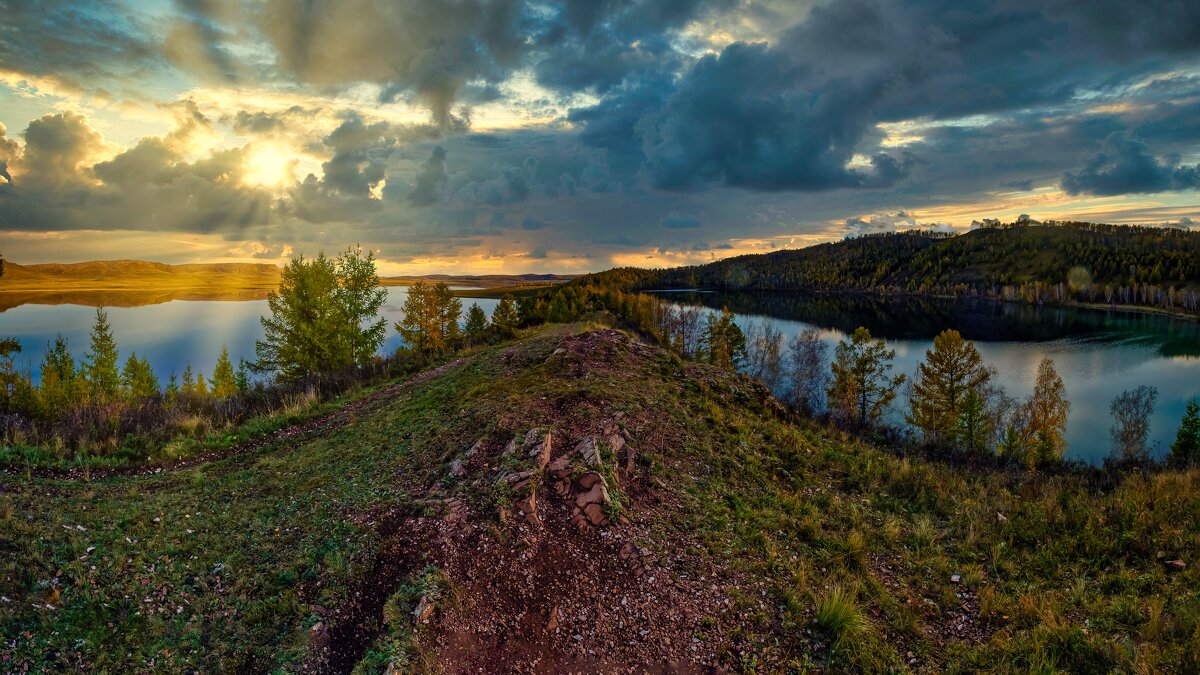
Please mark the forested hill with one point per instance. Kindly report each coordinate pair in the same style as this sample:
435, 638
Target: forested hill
1050, 262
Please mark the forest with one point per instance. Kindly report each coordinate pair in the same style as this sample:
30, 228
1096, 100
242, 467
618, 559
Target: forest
1042, 263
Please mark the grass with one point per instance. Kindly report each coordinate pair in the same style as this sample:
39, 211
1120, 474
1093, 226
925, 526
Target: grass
824, 540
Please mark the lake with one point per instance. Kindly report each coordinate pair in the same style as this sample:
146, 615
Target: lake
1098, 353
171, 333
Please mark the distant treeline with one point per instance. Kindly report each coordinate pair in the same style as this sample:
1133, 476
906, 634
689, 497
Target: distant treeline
1052, 262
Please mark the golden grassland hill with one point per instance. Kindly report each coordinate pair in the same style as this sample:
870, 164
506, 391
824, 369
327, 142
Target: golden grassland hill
578, 500
136, 275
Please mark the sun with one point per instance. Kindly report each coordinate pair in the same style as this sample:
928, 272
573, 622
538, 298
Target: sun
268, 166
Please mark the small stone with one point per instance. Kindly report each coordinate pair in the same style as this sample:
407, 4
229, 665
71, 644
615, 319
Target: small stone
1175, 565
552, 624
424, 611
1000, 518
954, 579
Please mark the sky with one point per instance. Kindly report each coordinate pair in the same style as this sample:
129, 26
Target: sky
506, 136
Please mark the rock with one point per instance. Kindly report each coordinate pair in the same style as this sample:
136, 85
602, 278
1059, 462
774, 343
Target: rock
629, 550
424, 611
528, 505
458, 468
516, 478
597, 495
502, 514
623, 521
562, 488
589, 450
560, 350
538, 444
1000, 518
455, 511
595, 514
533, 519
587, 480
1175, 565
955, 579
552, 624
319, 640
561, 467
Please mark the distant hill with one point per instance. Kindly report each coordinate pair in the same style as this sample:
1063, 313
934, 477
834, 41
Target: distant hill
137, 275
1050, 262
142, 276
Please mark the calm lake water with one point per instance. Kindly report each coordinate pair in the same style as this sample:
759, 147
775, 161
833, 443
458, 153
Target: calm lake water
1098, 353
170, 334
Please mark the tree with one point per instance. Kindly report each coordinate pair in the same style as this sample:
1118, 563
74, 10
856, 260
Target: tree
430, 323
60, 383
1186, 448
1047, 411
100, 365
1131, 412
862, 387
952, 371
505, 318
9, 348
242, 378
307, 333
477, 325
201, 385
224, 383
724, 343
764, 355
137, 378
358, 297
808, 368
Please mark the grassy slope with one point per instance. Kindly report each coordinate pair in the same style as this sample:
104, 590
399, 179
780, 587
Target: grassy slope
224, 566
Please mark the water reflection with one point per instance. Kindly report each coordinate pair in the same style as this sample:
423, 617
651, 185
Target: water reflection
1099, 354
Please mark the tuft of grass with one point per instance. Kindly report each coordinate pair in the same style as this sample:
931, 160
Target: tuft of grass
839, 615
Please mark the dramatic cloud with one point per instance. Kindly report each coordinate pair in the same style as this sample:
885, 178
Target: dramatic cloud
1125, 165
575, 134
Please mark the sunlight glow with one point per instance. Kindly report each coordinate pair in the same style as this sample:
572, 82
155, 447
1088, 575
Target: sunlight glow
269, 166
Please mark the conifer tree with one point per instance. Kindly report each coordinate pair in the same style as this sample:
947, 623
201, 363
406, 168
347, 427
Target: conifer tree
862, 387
137, 378
189, 381
952, 371
430, 322
242, 378
505, 318
60, 383
1185, 450
477, 325
724, 343
201, 385
224, 383
100, 366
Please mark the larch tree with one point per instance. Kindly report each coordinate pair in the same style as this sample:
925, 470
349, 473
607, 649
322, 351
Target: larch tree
1048, 409
430, 322
862, 385
724, 344
100, 366
952, 375
60, 382
359, 298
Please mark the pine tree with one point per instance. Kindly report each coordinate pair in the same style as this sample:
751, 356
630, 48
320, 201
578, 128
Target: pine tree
504, 317
100, 366
242, 378
1186, 448
1048, 409
189, 381
862, 387
952, 369
137, 378
172, 388
201, 385
224, 384
477, 325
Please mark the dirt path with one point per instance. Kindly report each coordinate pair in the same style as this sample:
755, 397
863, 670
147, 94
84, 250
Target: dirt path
316, 427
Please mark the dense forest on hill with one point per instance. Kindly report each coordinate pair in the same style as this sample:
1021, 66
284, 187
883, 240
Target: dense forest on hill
1043, 262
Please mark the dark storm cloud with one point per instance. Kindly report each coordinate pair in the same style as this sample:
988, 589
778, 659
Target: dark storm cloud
1125, 165
78, 43
431, 179
678, 222
430, 49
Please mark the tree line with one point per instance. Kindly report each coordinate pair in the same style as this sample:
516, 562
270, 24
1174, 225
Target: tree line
1052, 262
